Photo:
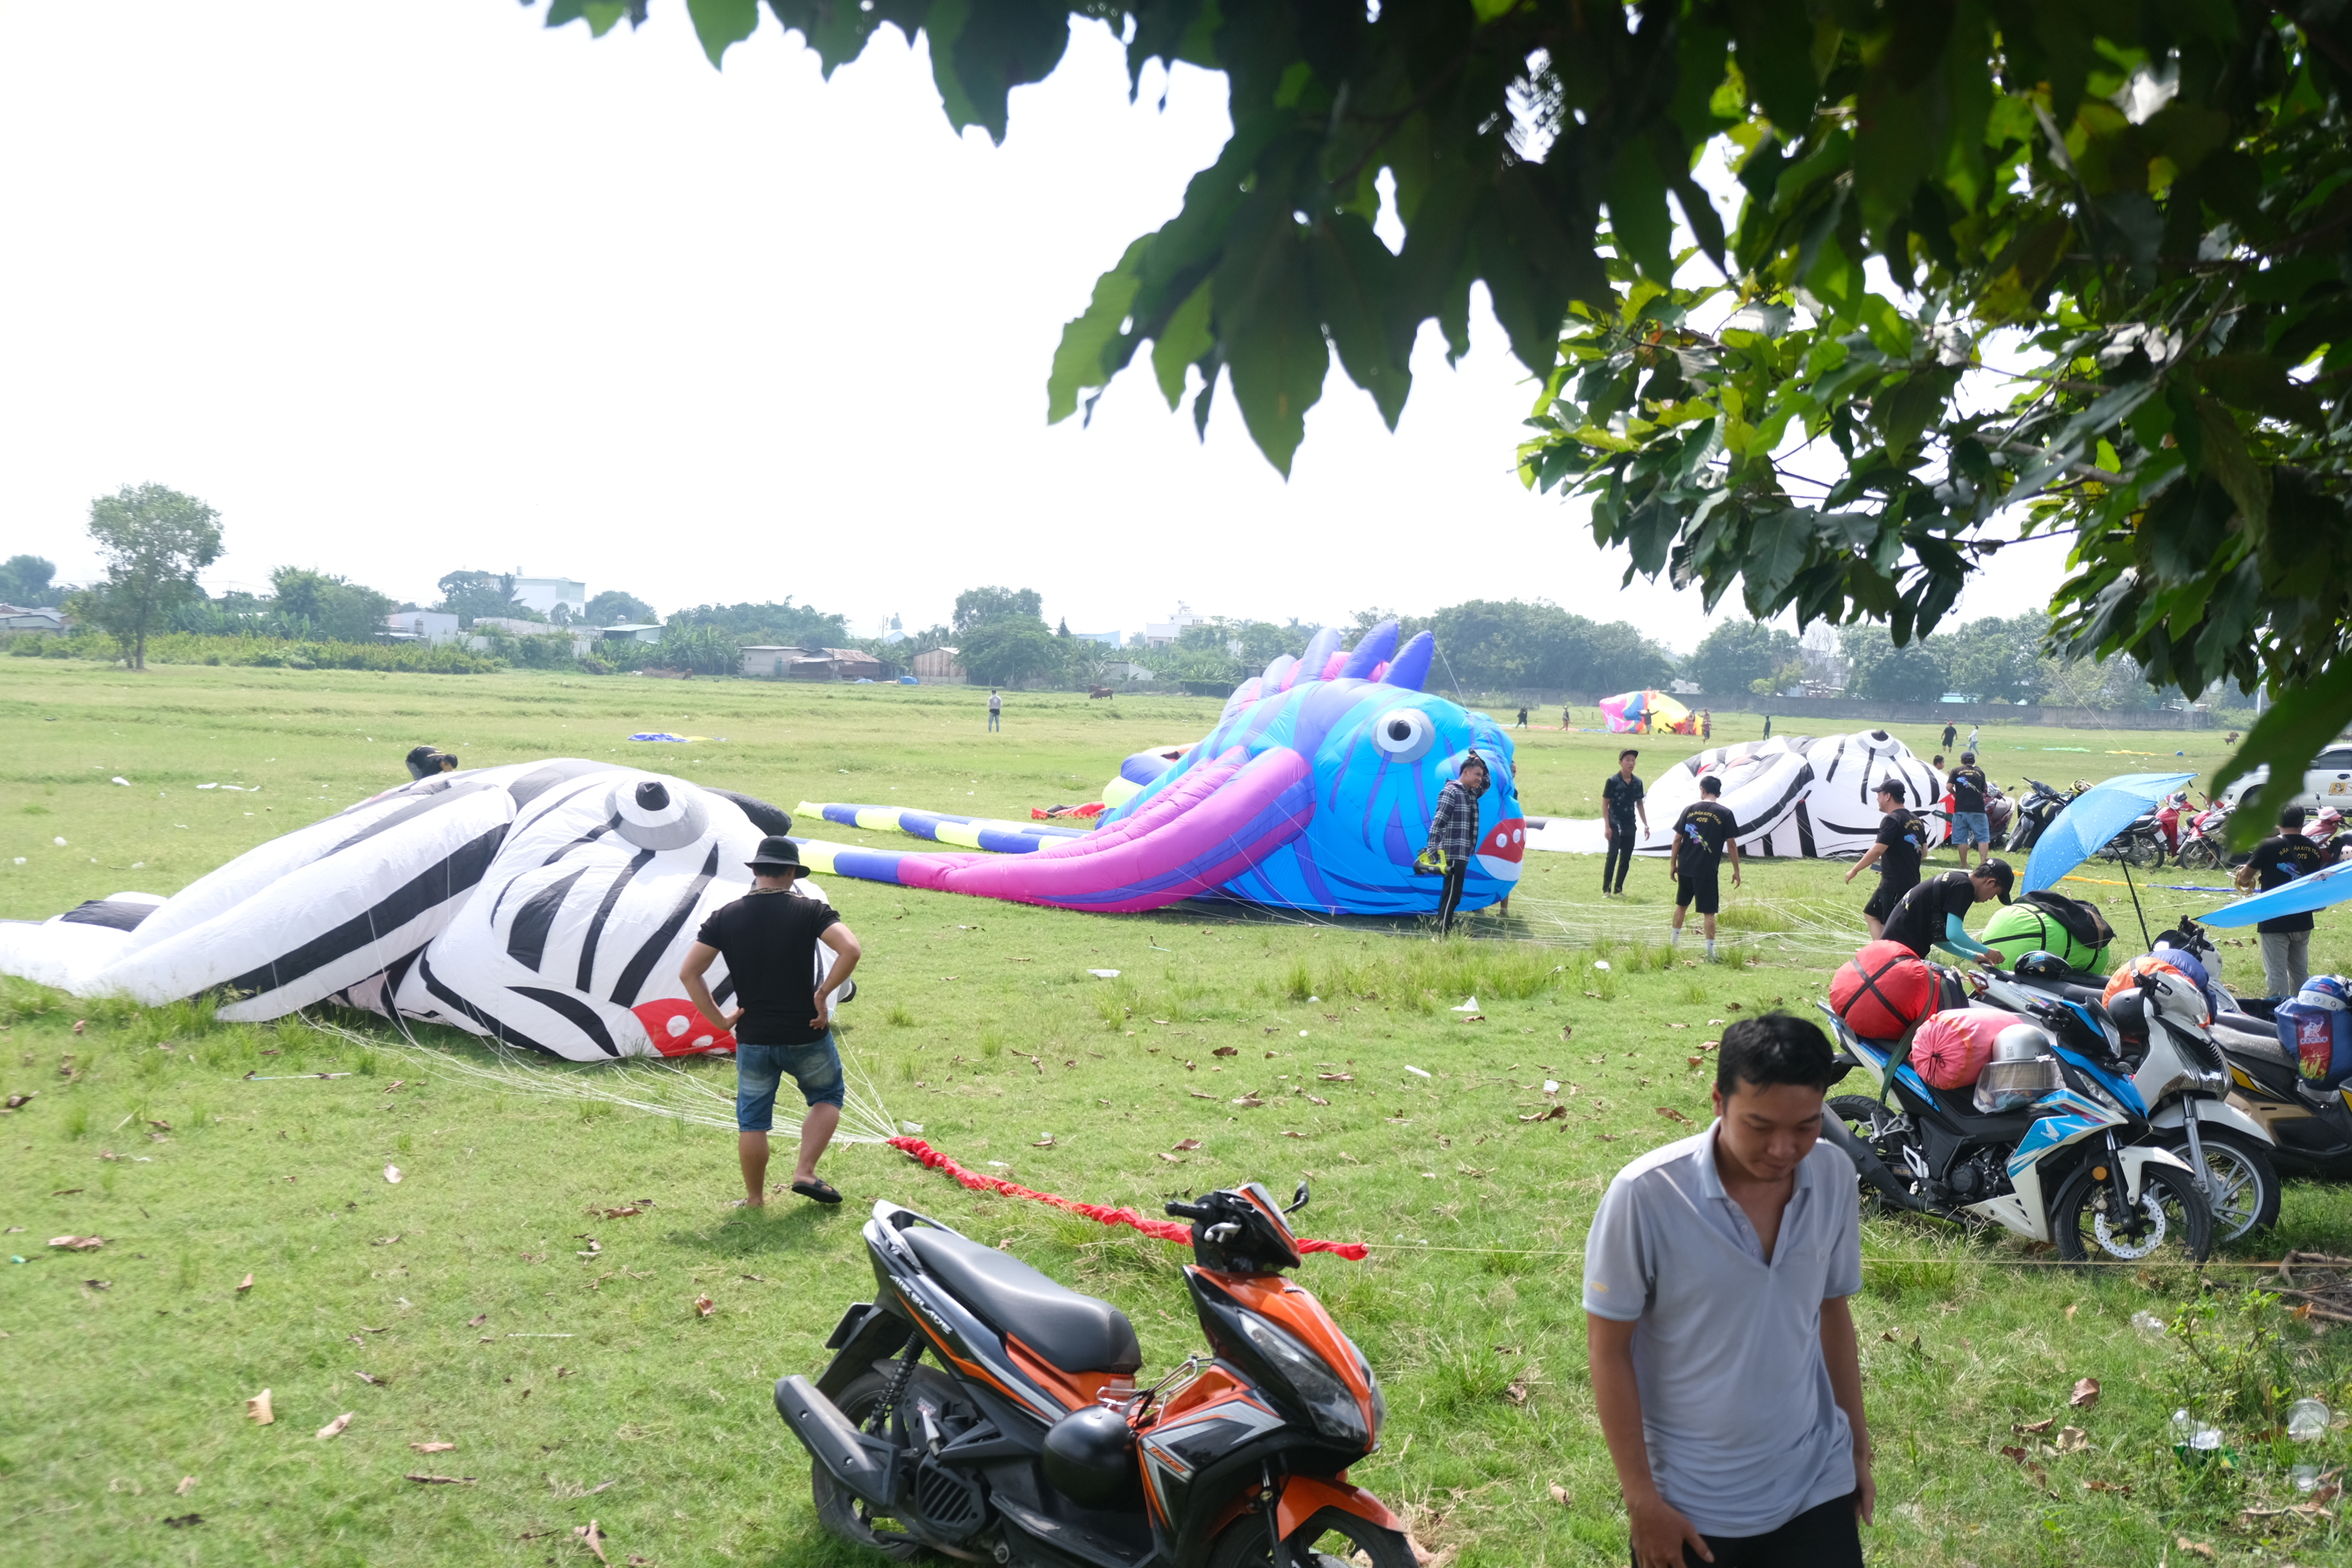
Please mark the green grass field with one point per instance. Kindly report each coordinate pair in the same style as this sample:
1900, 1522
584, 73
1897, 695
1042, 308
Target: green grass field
497, 1308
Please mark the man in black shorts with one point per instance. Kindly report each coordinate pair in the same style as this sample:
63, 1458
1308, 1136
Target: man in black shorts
769, 937
1702, 833
1621, 799
1902, 839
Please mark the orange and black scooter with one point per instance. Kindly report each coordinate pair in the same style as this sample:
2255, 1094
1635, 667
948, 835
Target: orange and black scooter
1029, 1442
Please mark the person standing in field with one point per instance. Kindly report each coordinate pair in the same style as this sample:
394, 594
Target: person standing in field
1902, 839
1719, 1328
1952, 733
1523, 718
1702, 833
2287, 940
995, 708
1622, 796
1767, 726
1453, 834
1972, 737
1567, 718
769, 939
1971, 824
1707, 723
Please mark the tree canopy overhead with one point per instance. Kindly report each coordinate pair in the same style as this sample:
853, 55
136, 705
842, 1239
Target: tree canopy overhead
2117, 238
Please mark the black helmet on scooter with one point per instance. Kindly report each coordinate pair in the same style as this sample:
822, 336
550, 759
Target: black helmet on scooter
2040, 965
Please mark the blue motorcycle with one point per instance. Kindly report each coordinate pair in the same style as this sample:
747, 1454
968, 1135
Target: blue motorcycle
2051, 1143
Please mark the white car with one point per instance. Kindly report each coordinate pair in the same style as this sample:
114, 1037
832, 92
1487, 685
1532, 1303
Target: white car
2327, 782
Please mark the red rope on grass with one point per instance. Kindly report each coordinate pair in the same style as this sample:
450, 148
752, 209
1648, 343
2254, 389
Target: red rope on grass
931, 1158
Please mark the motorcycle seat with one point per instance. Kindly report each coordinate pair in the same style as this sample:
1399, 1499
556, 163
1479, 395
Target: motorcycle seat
2068, 989
2260, 1045
1072, 1333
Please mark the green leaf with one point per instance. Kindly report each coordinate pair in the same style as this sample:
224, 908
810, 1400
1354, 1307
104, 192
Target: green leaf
1086, 341
2230, 464
1355, 279
1266, 320
2304, 716
1645, 231
2260, 382
1181, 343
1775, 45
720, 22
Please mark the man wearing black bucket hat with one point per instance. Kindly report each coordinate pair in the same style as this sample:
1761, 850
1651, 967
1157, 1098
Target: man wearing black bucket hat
769, 939
1929, 914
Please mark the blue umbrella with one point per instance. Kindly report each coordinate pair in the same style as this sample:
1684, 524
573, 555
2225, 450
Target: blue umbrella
2092, 818
2330, 885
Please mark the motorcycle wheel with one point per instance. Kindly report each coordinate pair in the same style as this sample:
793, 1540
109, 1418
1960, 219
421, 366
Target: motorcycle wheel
2243, 1185
842, 1511
2173, 1225
2145, 850
1333, 1538
2199, 855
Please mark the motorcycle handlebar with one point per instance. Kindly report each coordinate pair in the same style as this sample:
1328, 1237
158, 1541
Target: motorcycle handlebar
1186, 1211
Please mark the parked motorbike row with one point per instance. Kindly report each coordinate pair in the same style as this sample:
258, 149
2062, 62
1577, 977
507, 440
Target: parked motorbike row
2145, 1115
2194, 838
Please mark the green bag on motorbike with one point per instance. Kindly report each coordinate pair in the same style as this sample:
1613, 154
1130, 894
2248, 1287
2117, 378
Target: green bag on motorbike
2021, 928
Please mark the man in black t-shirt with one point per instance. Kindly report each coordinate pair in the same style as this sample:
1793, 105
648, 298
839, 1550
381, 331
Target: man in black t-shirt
1702, 833
1929, 915
1950, 734
1896, 851
769, 937
1622, 796
2287, 940
1970, 823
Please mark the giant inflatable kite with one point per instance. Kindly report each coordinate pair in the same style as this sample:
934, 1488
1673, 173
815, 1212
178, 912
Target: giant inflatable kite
1792, 794
547, 905
1313, 792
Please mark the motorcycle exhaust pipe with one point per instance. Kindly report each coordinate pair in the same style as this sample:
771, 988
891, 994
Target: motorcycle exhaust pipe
1866, 1161
853, 1458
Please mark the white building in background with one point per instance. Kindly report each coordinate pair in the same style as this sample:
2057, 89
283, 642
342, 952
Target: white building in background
894, 633
421, 626
543, 594
1160, 634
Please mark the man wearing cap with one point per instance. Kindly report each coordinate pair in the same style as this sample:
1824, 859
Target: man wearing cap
769, 937
1929, 914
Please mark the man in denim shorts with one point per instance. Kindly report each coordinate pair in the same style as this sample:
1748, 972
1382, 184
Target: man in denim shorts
769, 937
1970, 822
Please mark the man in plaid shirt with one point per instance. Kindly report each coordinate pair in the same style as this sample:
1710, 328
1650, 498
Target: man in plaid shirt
1453, 833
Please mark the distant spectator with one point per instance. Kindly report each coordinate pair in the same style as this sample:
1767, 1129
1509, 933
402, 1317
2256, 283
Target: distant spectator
1453, 833
2287, 940
1970, 823
1902, 839
1621, 799
1523, 718
1702, 833
1952, 733
995, 708
1972, 736
1707, 723
1939, 762
1767, 726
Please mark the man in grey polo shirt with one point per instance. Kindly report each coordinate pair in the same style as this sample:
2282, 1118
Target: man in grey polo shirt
1724, 1366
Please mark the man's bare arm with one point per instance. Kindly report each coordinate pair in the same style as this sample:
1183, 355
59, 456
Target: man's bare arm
846, 954
1658, 1529
1869, 858
698, 959
1844, 1361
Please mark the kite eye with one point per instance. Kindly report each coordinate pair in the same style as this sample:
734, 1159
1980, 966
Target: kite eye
1404, 734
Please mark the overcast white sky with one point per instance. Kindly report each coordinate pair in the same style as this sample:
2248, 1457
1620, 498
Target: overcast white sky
402, 290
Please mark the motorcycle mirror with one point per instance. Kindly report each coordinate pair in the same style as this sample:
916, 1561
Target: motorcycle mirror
1298, 1199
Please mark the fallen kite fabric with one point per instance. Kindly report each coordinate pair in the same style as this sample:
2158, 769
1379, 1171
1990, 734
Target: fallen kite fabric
922, 1154
666, 735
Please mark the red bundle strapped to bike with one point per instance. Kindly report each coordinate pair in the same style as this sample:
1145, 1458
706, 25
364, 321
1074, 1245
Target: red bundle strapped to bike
1883, 990
1164, 1229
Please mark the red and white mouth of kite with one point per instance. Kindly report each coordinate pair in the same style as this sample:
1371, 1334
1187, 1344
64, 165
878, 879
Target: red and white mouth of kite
1505, 846
678, 1030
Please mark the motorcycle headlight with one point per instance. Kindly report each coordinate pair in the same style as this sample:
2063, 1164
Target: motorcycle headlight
1326, 1400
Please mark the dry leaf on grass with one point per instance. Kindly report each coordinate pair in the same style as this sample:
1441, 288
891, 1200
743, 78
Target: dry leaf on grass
372, 1380
187, 1484
1196, 1094
2120, 1488
1225, 1051
704, 1306
1560, 1494
258, 1407
637, 1561
2073, 1441
1336, 1077
2033, 1428
2194, 1548
391, 1174
592, 1538
2086, 1394
433, 1448
425, 1480
335, 1428
2011, 1451
1186, 1145
1557, 1113
384, 1240
183, 1521
1286, 1133
1171, 1159
1606, 1137
478, 1322
622, 1213
1318, 1100
1517, 1393
77, 1243
2072, 1308
1671, 1114
1044, 1142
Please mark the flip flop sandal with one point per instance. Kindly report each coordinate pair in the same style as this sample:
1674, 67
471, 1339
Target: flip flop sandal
818, 1190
